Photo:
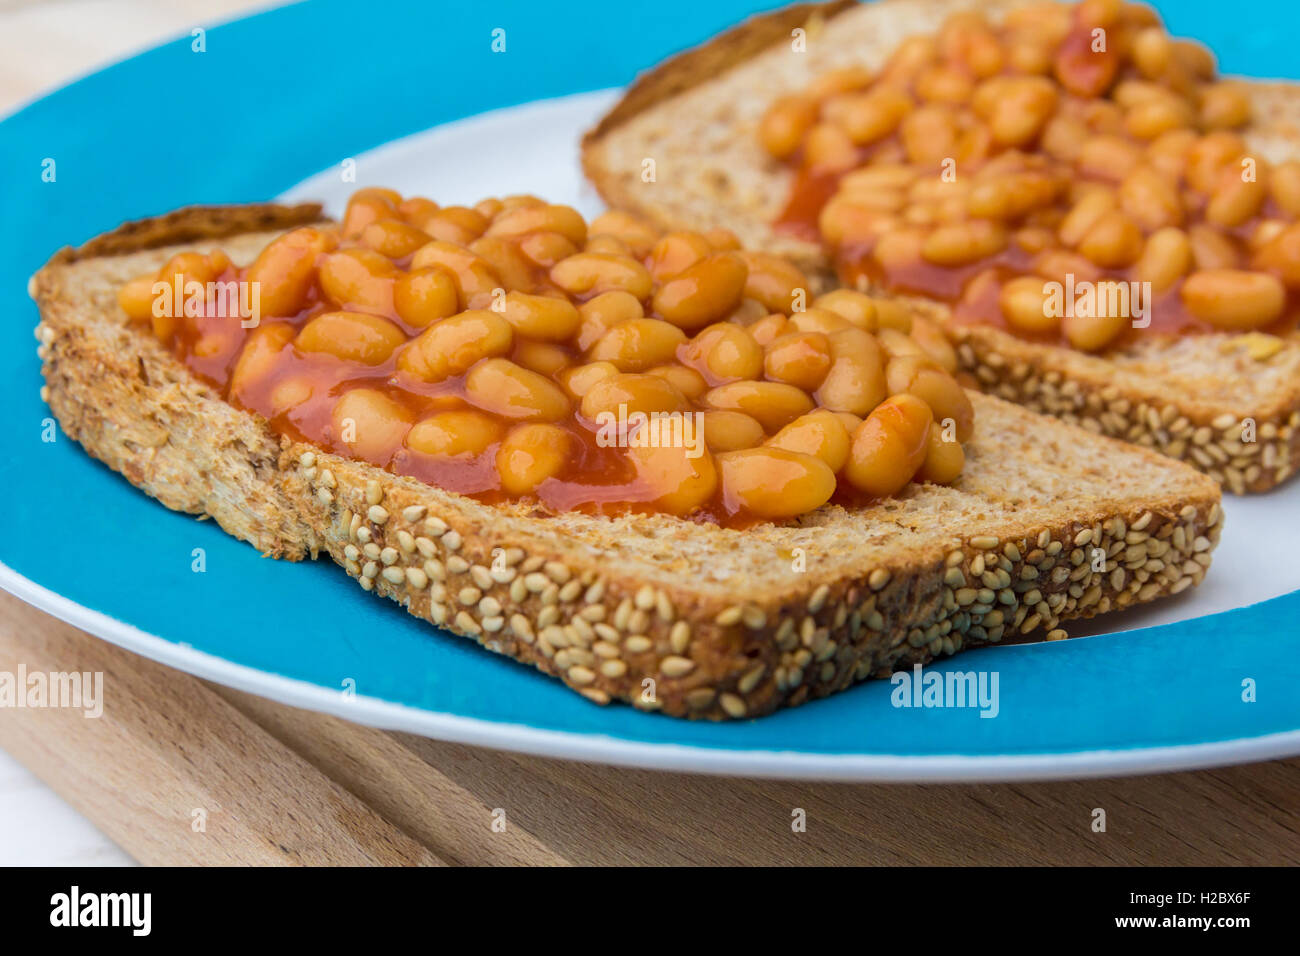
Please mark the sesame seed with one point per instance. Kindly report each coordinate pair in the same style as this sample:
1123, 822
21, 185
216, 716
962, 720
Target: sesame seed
675, 666
613, 669
324, 496
754, 617
733, 705
878, 579
637, 644
456, 564
417, 578
984, 542
451, 541
414, 513
370, 570
728, 617
570, 592
374, 492
394, 575
502, 575
818, 599
679, 638
350, 552
467, 623
489, 606
557, 572
388, 556
493, 624
434, 569
377, 514
645, 598
521, 628
307, 459
481, 576
468, 596
406, 541
327, 479
435, 527
581, 675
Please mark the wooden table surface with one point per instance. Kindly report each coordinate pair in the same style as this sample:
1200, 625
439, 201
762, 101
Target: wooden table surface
280, 785
272, 784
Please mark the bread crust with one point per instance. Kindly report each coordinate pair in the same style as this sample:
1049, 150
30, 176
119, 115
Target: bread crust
1151, 404
668, 615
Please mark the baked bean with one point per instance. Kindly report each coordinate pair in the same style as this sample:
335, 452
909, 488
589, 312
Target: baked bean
452, 434
929, 134
359, 280
1059, 263
704, 292
892, 314
934, 386
676, 252
475, 277
518, 200
541, 317
819, 320
856, 379
1108, 157
723, 353
516, 270
1158, 115
900, 248
489, 208
1023, 302
1152, 52
1281, 254
591, 273
889, 446
285, 269
365, 207
868, 117
264, 345
1167, 154
1113, 241
635, 345
289, 393
1150, 200
579, 379
611, 244
450, 346
772, 281
1235, 202
944, 84
1012, 195
909, 58
639, 235
843, 221
416, 208
774, 483
731, 431
962, 243
769, 328
843, 80
1234, 300
927, 334
500, 386
1063, 138
722, 240
895, 344
1016, 107
785, 123
351, 336
1211, 249
1210, 156
820, 434
601, 313
856, 307
772, 404
686, 380
1196, 57
828, 149
1166, 259
545, 249
565, 220
543, 357
944, 460
531, 454
636, 393
1090, 333
456, 224
393, 238
136, 298
801, 359
370, 424
680, 483
1284, 187
422, 296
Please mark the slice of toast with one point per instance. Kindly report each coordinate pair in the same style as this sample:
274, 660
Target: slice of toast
697, 116
1048, 522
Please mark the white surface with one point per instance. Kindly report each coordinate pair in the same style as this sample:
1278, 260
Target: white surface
38, 829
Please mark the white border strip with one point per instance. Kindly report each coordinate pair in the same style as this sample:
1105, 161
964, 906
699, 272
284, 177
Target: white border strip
598, 748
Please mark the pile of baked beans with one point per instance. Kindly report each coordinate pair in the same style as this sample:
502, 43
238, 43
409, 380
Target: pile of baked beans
478, 349
983, 161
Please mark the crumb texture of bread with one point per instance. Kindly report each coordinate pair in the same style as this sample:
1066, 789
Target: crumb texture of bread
1192, 397
1048, 523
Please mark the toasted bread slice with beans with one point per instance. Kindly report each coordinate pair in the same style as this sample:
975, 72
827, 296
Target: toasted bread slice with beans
1047, 523
1225, 402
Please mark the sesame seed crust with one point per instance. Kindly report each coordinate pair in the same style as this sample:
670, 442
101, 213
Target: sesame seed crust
717, 619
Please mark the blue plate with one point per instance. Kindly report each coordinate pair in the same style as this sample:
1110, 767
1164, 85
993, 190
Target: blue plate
249, 118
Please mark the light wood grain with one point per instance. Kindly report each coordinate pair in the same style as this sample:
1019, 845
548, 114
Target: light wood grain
284, 785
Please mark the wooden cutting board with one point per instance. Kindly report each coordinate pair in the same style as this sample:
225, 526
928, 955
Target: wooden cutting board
277, 785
